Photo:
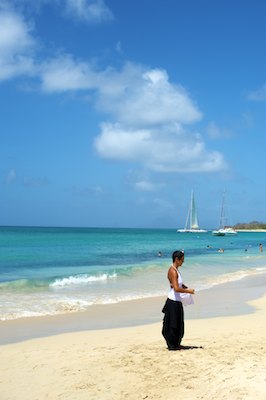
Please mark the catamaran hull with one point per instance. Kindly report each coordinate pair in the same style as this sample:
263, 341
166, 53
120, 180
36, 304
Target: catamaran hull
218, 233
223, 232
191, 230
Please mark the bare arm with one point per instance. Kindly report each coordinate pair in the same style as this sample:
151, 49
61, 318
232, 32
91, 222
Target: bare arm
173, 279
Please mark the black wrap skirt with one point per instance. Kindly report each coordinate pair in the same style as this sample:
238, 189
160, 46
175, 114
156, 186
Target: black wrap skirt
173, 323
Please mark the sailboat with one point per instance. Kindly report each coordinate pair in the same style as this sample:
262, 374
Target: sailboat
192, 218
223, 228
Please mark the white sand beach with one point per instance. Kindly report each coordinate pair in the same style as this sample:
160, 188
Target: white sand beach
133, 362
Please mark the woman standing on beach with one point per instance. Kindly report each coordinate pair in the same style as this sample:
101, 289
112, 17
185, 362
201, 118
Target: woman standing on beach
179, 294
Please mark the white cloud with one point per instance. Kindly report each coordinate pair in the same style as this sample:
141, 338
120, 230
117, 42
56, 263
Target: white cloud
14, 34
215, 132
16, 44
148, 115
63, 74
164, 148
258, 95
88, 11
91, 11
149, 112
137, 96
88, 191
147, 186
116, 142
11, 176
247, 120
35, 182
118, 47
164, 204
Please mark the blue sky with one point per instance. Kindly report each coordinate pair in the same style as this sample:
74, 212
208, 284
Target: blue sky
112, 111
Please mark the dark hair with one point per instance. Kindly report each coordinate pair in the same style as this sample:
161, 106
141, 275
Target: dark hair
178, 254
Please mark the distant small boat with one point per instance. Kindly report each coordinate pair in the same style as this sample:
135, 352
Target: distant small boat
192, 225
228, 230
223, 228
218, 232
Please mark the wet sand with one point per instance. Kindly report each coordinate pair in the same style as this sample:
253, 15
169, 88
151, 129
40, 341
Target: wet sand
225, 330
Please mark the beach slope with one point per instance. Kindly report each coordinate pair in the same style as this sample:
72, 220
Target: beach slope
133, 362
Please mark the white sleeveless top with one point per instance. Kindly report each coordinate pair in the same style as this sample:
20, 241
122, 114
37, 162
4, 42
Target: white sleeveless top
173, 295
185, 298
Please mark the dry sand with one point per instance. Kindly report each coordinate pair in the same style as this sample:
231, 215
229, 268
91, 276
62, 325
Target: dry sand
133, 362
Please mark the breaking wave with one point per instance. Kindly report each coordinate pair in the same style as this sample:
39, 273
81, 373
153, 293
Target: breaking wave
81, 280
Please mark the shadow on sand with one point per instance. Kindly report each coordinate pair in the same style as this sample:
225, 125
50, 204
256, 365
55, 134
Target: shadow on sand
185, 348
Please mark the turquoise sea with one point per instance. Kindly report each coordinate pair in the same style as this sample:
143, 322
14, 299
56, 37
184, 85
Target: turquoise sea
47, 271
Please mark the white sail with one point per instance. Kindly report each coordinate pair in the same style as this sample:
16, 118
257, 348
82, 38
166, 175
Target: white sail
224, 229
193, 216
192, 224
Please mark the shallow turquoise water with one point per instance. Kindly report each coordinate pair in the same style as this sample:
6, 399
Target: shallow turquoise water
45, 271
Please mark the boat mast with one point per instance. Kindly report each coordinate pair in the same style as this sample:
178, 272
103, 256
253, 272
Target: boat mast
222, 222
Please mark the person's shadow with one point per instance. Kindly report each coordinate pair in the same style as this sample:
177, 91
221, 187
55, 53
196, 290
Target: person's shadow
181, 347
189, 347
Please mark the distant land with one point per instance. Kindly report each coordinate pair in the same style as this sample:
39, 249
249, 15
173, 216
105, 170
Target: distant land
254, 225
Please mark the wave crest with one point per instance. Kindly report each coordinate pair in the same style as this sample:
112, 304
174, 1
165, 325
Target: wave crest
81, 280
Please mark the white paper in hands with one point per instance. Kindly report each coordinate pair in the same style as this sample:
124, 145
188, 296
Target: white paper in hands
186, 299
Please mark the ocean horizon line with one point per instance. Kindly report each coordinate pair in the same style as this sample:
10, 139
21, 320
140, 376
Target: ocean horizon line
208, 230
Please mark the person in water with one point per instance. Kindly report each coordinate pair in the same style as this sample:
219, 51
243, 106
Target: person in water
173, 321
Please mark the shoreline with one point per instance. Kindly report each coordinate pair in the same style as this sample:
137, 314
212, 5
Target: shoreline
250, 230
226, 360
230, 299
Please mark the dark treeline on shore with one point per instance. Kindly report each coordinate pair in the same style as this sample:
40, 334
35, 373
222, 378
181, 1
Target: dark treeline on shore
250, 225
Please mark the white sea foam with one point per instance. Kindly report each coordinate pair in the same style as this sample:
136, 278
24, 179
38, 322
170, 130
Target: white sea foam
44, 307
54, 302
232, 276
81, 280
